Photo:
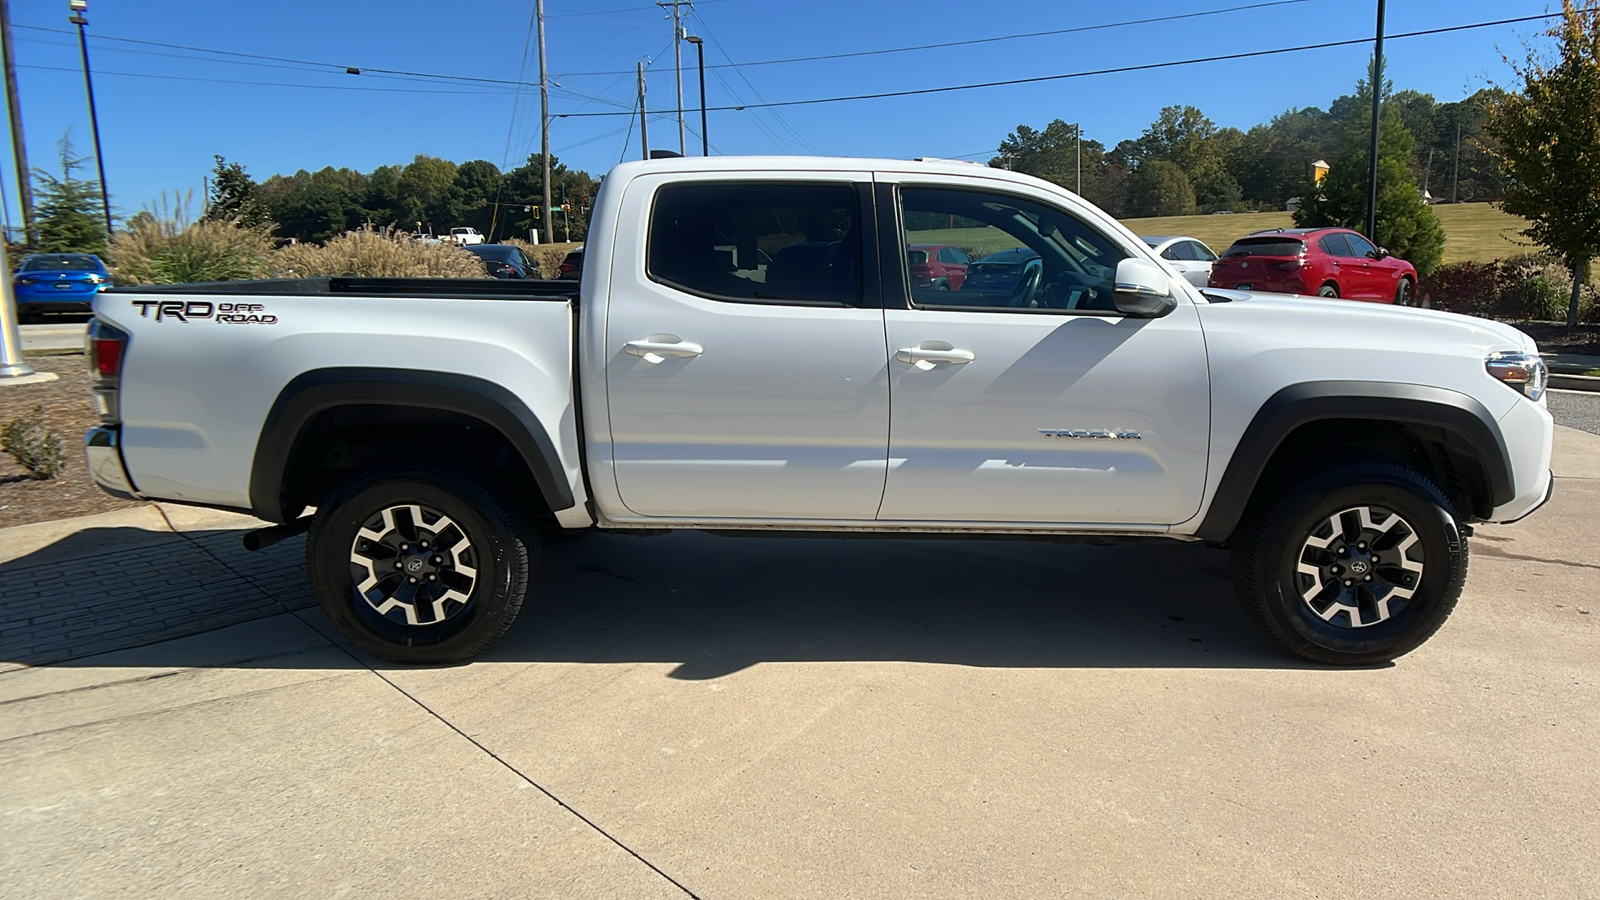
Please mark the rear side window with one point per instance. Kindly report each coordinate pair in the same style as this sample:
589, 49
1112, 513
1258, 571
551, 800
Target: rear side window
1201, 252
1266, 246
1334, 245
758, 243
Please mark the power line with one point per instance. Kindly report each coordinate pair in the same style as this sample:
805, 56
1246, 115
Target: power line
1248, 54
988, 40
325, 87
740, 72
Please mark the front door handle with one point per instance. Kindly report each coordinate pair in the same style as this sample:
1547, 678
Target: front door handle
926, 357
658, 347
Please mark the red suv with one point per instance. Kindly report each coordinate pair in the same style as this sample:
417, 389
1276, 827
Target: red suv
1327, 262
937, 266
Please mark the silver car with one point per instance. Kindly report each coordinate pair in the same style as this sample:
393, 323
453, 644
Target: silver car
1190, 256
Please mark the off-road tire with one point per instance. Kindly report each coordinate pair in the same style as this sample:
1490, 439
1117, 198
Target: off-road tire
501, 552
1277, 536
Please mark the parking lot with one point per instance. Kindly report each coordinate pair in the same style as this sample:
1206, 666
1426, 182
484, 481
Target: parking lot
712, 717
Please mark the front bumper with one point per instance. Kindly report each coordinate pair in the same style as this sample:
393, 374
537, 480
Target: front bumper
1529, 435
102, 447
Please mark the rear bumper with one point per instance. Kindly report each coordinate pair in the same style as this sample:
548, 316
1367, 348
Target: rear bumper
102, 447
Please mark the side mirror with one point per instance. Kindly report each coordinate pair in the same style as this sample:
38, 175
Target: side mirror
1143, 290
1382, 253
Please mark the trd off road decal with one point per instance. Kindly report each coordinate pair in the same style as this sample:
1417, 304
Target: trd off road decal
192, 310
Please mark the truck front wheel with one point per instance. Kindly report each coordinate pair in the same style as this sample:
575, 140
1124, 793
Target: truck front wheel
1357, 565
419, 565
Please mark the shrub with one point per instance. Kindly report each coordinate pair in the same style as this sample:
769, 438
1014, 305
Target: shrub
376, 253
35, 447
154, 250
1526, 287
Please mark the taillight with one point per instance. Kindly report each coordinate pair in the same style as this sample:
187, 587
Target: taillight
105, 350
107, 347
1292, 265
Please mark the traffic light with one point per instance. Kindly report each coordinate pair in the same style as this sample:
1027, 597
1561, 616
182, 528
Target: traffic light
538, 213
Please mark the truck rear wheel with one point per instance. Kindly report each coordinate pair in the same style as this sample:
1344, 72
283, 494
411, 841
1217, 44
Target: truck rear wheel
419, 565
1358, 565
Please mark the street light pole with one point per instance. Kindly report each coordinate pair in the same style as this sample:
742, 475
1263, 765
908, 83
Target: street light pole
11, 364
544, 129
78, 8
700, 57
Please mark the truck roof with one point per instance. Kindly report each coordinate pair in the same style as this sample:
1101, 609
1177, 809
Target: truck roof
960, 168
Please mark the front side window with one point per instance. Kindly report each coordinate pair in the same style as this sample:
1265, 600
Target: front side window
758, 243
1360, 246
1025, 256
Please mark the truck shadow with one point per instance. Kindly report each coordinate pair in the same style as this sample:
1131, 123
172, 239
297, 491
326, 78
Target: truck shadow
710, 605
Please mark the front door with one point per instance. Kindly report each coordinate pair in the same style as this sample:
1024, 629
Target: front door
1030, 399
745, 373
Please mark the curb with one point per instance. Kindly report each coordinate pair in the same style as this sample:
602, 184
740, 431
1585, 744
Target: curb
1574, 382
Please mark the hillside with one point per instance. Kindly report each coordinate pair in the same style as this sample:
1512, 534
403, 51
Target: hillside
1474, 232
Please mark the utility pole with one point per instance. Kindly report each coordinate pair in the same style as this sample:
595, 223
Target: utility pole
1427, 174
1455, 178
677, 55
78, 8
1077, 138
1372, 155
19, 150
644, 124
544, 128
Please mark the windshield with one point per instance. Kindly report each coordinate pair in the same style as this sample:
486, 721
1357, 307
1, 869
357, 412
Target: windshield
1266, 246
62, 262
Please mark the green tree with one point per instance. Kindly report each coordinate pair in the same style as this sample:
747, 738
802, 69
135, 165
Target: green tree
424, 192
1549, 137
1405, 223
70, 215
1057, 155
234, 196
1160, 188
1182, 135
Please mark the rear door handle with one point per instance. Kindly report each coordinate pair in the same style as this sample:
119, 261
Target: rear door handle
928, 357
658, 347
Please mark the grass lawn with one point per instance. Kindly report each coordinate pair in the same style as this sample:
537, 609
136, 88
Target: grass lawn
1473, 232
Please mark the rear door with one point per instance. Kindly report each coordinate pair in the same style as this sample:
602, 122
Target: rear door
1039, 404
745, 362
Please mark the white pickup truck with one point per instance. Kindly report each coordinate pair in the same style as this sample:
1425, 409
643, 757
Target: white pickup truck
747, 351
464, 236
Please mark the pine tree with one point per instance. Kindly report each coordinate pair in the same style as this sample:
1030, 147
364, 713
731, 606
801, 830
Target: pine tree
70, 216
234, 196
1406, 225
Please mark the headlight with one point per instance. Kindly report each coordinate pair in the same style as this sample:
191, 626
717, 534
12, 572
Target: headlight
1525, 372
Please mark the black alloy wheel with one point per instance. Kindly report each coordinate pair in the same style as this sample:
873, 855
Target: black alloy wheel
1403, 293
1358, 564
419, 565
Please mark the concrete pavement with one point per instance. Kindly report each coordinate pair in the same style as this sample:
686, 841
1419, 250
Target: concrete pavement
744, 718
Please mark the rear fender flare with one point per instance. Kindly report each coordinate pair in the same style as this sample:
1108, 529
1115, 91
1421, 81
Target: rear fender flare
319, 390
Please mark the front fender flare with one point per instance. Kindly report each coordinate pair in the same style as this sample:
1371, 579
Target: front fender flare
1311, 401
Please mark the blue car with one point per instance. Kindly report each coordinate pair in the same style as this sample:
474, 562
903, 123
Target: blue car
59, 282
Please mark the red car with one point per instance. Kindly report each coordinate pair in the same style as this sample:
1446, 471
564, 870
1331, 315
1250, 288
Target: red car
1327, 262
937, 266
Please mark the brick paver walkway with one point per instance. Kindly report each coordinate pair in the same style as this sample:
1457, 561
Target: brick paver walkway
183, 584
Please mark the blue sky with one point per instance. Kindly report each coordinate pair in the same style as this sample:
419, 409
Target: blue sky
159, 133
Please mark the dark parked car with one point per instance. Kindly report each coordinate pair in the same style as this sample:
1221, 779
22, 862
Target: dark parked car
998, 273
937, 266
502, 260
59, 282
1327, 262
572, 265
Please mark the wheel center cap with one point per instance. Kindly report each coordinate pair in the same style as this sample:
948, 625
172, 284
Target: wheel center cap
1359, 566
416, 564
